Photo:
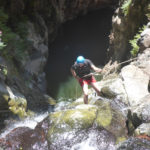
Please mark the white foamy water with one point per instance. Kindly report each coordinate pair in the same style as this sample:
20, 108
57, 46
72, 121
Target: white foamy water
91, 144
28, 122
85, 145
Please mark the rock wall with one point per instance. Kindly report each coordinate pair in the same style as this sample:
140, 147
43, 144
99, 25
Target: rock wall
125, 24
43, 20
25, 75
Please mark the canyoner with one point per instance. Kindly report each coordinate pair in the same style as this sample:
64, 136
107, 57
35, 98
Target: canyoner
80, 69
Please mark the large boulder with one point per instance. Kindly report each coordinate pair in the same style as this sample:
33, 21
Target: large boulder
126, 21
70, 127
113, 87
135, 83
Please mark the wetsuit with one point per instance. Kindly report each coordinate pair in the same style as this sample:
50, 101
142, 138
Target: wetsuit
81, 71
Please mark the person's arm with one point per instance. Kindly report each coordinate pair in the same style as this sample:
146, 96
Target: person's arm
74, 74
96, 69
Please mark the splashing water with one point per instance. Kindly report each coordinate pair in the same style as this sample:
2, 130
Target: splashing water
28, 122
91, 144
84, 145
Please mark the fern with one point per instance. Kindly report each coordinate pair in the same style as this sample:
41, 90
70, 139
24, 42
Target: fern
125, 7
135, 47
16, 43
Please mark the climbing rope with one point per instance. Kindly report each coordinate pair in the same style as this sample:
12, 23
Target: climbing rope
114, 67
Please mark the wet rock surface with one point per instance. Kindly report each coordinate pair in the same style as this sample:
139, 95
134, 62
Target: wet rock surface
135, 144
26, 138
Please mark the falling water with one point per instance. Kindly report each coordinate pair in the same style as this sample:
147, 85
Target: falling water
29, 122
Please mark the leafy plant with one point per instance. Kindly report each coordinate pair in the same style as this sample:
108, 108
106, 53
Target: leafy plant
135, 47
2, 45
125, 7
17, 44
5, 71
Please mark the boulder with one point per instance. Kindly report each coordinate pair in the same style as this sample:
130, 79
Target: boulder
70, 127
143, 129
135, 83
135, 144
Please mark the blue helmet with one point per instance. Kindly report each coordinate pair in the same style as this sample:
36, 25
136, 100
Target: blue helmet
80, 59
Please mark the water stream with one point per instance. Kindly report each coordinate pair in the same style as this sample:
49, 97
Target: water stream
29, 122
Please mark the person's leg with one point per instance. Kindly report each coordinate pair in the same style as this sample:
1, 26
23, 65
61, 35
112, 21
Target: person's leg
85, 92
95, 87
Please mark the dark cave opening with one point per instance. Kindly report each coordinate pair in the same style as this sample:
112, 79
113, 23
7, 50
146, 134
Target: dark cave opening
86, 35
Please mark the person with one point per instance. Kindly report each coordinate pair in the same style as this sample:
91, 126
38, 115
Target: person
81, 70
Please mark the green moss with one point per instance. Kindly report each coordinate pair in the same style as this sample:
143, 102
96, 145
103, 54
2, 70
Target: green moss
6, 97
75, 118
104, 116
17, 106
67, 121
80, 118
55, 116
74, 104
4, 71
120, 140
131, 127
51, 101
16, 44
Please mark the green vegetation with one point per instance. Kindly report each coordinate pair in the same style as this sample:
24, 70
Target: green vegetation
68, 120
4, 70
148, 14
16, 42
125, 7
135, 47
69, 90
2, 45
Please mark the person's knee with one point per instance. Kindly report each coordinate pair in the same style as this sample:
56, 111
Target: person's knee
85, 90
85, 95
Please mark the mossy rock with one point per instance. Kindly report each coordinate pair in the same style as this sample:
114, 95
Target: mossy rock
50, 100
104, 116
74, 104
12, 101
110, 119
18, 106
108, 92
70, 121
121, 139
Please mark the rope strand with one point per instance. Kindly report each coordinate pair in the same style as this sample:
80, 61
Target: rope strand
96, 73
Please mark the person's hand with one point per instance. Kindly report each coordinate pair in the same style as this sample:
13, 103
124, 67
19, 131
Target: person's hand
99, 70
